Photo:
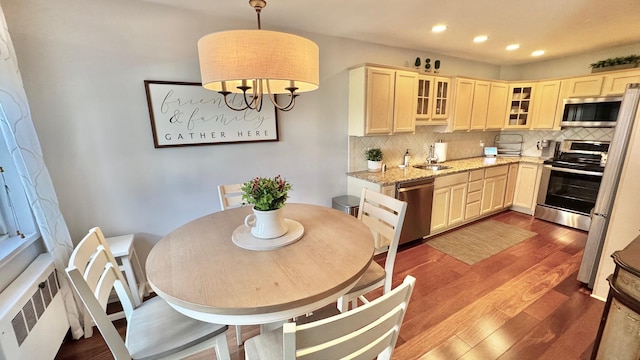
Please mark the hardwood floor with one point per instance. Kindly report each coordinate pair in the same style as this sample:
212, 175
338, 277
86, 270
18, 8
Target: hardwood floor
522, 303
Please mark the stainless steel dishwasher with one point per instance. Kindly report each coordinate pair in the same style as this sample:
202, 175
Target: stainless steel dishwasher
419, 196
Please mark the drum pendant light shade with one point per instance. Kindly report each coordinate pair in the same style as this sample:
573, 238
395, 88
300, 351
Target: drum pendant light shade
279, 60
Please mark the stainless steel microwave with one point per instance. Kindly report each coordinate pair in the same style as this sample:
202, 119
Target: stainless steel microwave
590, 112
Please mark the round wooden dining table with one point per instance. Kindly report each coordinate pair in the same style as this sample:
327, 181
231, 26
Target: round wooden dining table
202, 273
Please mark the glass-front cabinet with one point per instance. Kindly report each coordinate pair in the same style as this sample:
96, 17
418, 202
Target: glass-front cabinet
425, 97
520, 96
432, 100
441, 103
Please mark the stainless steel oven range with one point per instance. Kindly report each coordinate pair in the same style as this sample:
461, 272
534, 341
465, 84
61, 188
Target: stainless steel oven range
570, 182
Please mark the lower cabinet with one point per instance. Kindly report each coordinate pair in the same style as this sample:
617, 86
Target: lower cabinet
526, 190
512, 177
493, 189
449, 201
458, 202
464, 197
389, 190
474, 194
354, 187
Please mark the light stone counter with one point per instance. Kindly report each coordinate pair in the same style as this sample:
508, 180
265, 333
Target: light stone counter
395, 174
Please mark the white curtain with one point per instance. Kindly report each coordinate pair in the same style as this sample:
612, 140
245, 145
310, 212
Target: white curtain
20, 136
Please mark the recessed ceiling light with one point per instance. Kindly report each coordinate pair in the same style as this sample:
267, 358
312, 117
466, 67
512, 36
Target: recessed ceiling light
537, 53
480, 38
513, 47
439, 28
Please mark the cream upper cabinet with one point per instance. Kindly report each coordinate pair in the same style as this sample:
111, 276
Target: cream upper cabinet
387, 100
463, 104
545, 105
432, 98
585, 86
481, 91
497, 106
616, 83
471, 104
404, 105
603, 84
381, 101
481, 104
519, 106
526, 191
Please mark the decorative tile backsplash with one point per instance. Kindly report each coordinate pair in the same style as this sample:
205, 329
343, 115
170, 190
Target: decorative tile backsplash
531, 137
461, 144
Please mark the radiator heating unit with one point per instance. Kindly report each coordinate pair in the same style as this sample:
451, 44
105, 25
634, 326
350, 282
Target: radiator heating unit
33, 319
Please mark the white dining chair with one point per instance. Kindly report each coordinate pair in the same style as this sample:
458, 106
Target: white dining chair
366, 332
154, 329
384, 215
230, 196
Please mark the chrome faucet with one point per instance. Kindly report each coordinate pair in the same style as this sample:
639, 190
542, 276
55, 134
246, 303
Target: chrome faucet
432, 158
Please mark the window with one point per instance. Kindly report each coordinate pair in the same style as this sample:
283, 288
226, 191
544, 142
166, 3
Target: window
17, 225
8, 220
4, 213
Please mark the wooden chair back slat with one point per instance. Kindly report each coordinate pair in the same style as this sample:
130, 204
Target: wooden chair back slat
384, 215
230, 196
361, 333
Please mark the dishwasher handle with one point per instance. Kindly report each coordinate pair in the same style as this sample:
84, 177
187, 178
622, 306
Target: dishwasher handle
404, 189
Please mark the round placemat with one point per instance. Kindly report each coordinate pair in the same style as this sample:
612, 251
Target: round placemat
242, 237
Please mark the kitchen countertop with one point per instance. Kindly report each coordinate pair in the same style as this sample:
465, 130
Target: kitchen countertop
395, 174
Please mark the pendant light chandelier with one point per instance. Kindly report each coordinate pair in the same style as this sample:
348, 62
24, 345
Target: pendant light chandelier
257, 62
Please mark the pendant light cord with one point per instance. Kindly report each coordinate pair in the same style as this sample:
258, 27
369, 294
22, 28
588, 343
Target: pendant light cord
258, 5
258, 14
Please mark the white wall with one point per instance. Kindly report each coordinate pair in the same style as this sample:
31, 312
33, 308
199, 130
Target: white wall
568, 66
83, 64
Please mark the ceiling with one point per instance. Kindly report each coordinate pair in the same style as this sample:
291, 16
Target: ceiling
560, 27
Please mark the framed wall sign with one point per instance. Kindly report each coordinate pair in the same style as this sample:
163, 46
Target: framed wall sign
185, 114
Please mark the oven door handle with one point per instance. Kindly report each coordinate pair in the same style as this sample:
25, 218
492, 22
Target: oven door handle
573, 171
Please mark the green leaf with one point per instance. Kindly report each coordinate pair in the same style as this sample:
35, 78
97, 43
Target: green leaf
266, 193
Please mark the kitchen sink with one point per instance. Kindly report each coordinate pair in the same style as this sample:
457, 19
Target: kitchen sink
432, 167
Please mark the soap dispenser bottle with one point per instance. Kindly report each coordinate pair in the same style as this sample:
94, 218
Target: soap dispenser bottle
406, 158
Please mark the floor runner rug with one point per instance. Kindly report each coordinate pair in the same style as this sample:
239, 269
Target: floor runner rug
479, 241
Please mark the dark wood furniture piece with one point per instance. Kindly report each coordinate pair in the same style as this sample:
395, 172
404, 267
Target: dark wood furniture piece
619, 333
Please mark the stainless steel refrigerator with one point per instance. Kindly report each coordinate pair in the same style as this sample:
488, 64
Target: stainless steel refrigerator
609, 185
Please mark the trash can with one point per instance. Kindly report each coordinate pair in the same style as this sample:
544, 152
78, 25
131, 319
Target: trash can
346, 203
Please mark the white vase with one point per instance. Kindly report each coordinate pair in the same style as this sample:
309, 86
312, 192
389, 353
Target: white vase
266, 224
374, 166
